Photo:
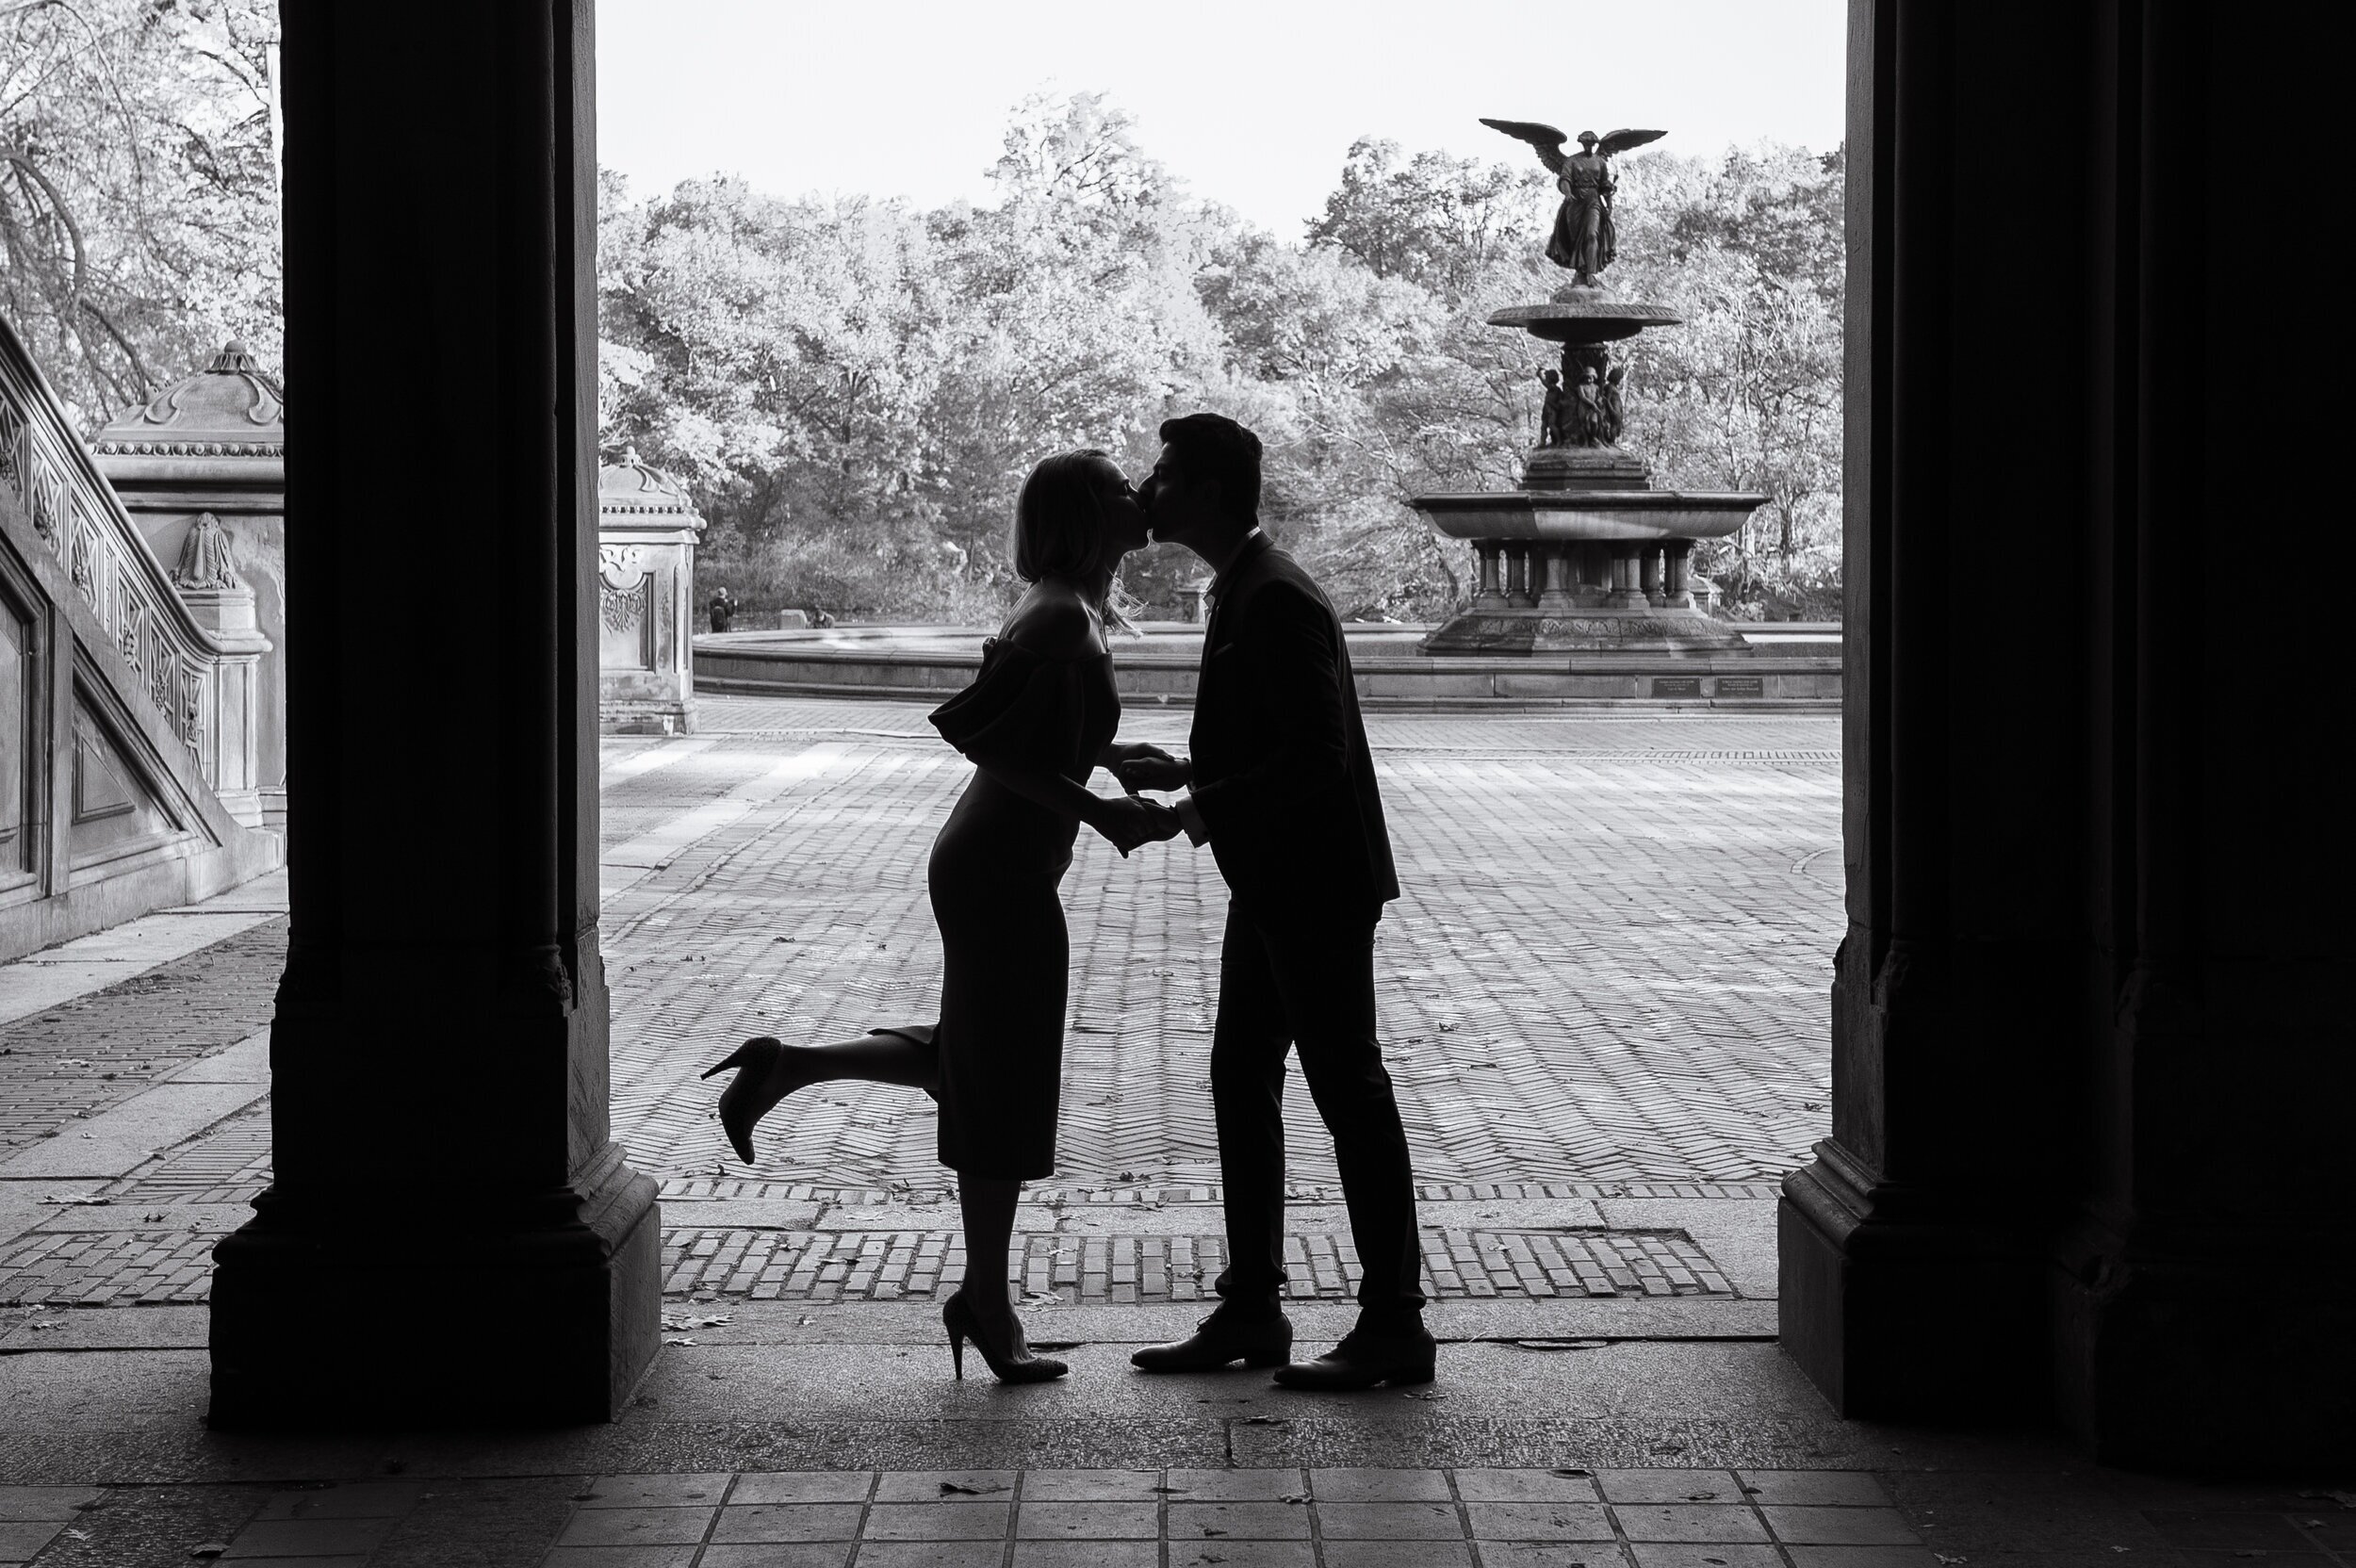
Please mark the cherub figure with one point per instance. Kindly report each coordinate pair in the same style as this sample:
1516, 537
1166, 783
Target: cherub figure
1550, 410
1583, 242
1590, 409
1612, 414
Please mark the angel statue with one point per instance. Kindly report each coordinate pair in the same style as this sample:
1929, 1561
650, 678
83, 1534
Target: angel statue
1583, 241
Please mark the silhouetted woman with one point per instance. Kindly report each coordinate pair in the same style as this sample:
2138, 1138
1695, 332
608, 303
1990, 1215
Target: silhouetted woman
1036, 721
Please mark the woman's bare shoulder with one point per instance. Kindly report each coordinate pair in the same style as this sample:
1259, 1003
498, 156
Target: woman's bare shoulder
1053, 623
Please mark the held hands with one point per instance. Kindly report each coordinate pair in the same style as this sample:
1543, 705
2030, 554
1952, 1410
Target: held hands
1128, 822
1139, 765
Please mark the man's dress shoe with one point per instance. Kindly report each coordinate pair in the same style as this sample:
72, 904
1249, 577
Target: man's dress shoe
1219, 1341
1364, 1360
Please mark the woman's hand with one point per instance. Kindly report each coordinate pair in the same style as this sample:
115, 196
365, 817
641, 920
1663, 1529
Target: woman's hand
1140, 765
1127, 821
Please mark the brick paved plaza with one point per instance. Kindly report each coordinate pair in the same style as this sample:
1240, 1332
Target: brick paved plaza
1610, 965
1604, 995
1606, 981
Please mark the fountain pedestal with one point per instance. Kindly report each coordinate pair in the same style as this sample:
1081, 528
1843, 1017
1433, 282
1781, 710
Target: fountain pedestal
1586, 555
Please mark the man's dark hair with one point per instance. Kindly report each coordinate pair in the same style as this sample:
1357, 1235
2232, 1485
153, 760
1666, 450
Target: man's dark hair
1213, 447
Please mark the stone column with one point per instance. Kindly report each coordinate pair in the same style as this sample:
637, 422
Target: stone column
1518, 593
2090, 1055
1678, 587
1628, 591
1554, 562
1650, 557
450, 1234
1490, 596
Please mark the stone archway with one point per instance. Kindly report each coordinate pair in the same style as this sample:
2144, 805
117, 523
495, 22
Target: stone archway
2080, 1023
2088, 1063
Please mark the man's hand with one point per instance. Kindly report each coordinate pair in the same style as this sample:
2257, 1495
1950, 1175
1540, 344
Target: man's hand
1127, 821
1139, 765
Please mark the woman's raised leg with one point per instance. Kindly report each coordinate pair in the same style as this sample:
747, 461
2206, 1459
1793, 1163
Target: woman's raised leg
768, 1070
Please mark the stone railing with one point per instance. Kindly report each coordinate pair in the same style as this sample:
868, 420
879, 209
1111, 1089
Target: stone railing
198, 678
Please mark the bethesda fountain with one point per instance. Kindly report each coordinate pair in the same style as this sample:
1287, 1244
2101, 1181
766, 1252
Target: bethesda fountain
1585, 554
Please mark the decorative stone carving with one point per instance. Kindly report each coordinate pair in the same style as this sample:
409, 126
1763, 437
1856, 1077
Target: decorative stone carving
215, 439
11, 448
646, 530
228, 409
621, 566
48, 501
206, 557
621, 609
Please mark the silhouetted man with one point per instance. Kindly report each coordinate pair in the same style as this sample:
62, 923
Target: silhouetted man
1282, 791
723, 610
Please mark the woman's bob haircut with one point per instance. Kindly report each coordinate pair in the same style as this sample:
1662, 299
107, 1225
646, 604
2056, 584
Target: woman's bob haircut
1058, 520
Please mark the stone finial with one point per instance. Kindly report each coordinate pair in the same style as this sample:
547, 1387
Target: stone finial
205, 557
229, 408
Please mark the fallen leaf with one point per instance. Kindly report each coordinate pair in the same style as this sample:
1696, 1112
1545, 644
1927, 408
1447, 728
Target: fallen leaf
962, 1489
208, 1548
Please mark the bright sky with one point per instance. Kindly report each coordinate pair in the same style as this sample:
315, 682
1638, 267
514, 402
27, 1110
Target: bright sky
909, 97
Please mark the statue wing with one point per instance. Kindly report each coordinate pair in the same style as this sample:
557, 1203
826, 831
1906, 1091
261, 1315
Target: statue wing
1621, 141
1545, 138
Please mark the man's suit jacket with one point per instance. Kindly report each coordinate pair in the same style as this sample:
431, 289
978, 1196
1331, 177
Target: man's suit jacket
1283, 777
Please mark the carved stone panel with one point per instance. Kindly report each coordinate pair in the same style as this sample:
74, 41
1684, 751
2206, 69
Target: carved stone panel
17, 705
626, 583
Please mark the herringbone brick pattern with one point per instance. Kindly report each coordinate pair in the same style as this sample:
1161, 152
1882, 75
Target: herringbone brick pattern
1610, 965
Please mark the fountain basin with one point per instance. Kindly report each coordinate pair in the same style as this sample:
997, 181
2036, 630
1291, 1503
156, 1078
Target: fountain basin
1631, 517
1577, 321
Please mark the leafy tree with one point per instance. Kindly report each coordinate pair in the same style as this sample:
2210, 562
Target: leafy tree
139, 199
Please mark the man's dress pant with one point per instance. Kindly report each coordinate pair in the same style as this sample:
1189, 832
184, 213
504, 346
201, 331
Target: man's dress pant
1306, 981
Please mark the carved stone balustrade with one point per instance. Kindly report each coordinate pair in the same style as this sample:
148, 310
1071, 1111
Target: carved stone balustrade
130, 731
206, 457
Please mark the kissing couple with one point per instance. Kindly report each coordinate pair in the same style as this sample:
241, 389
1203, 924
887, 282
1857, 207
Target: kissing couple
1281, 786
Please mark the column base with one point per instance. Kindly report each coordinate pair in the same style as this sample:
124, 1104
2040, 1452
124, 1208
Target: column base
468, 1313
1898, 1311
2156, 1367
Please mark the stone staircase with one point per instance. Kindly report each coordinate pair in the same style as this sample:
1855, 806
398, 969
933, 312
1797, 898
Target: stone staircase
129, 705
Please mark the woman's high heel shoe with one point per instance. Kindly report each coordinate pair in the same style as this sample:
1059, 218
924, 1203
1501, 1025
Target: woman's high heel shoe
1018, 1365
740, 1102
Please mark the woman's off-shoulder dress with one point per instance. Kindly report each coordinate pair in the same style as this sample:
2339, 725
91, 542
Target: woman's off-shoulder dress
993, 878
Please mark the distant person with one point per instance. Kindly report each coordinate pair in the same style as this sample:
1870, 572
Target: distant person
1036, 721
820, 619
1282, 790
723, 610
